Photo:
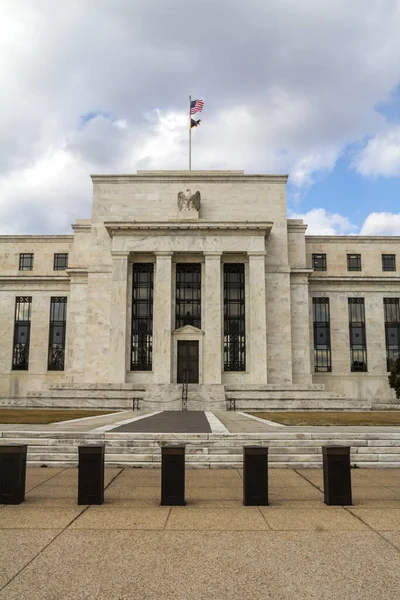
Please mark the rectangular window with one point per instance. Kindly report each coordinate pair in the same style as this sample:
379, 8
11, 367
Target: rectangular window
358, 342
322, 335
388, 262
58, 321
319, 262
60, 262
234, 318
354, 262
188, 295
26, 261
142, 317
22, 331
392, 329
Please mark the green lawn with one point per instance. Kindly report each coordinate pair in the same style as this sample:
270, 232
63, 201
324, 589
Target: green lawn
332, 418
39, 416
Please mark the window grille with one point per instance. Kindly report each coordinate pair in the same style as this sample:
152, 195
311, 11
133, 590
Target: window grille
392, 330
358, 342
26, 261
22, 331
388, 262
57, 329
319, 262
354, 262
60, 262
322, 335
234, 318
188, 295
142, 317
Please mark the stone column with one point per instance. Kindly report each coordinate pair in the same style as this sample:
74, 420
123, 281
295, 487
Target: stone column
162, 318
257, 327
118, 320
212, 361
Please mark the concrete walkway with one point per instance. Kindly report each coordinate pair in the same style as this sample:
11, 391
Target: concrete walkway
213, 549
168, 421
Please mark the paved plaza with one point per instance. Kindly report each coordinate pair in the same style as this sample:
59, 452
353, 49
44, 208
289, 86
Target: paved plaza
213, 548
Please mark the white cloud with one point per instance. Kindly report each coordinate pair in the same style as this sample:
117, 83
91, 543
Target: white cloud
381, 224
381, 155
321, 222
277, 95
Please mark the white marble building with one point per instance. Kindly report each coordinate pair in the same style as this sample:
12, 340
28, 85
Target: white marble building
214, 284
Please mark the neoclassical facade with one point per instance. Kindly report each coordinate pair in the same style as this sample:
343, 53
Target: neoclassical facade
198, 277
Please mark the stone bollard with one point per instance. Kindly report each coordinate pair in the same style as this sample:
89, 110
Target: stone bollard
173, 476
12, 474
91, 474
337, 477
255, 476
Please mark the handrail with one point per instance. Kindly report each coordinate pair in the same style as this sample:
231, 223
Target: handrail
185, 387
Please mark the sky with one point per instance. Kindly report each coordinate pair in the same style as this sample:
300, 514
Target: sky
305, 87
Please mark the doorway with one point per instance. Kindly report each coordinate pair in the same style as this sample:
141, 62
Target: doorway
188, 361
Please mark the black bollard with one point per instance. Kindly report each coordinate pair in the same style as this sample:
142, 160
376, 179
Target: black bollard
12, 474
91, 474
173, 476
255, 476
337, 477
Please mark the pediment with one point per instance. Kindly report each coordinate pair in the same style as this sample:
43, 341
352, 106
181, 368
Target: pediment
188, 329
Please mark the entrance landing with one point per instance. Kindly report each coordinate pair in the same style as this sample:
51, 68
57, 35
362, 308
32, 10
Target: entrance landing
169, 421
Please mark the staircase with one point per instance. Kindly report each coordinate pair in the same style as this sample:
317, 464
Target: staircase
286, 449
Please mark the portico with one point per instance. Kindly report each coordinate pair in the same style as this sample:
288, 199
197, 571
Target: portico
173, 249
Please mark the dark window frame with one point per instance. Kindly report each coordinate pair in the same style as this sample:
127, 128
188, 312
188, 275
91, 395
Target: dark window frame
358, 352
392, 329
390, 260
354, 262
322, 328
22, 329
234, 317
57, 328
188, 295
26, 261
60, 262
319, 257
142, 317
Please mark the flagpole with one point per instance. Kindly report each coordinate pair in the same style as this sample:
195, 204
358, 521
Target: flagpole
190, 137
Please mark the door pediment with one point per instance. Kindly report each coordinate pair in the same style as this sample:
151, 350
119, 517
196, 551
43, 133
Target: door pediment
188, 330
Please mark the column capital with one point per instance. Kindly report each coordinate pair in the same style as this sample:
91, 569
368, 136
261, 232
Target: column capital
120, 254
256, 253
163, 253
212, 254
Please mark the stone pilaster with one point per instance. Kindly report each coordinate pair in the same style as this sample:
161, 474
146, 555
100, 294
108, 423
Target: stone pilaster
162, 318
257, 327
301, 351
118, 321
212, 319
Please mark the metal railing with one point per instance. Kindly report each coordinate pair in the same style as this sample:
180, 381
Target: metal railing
185, 388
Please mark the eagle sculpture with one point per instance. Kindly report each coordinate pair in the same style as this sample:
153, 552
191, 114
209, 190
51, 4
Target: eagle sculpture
189, 201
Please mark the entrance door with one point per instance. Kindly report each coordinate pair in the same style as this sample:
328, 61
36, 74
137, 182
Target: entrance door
188, 360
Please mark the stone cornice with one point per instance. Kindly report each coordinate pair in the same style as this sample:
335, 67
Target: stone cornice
301, 271
352, 239
351, 279
296, 225
81, 227
166, 227
33, 278
36, 238
184, 176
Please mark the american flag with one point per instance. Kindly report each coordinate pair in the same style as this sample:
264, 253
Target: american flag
196, 106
